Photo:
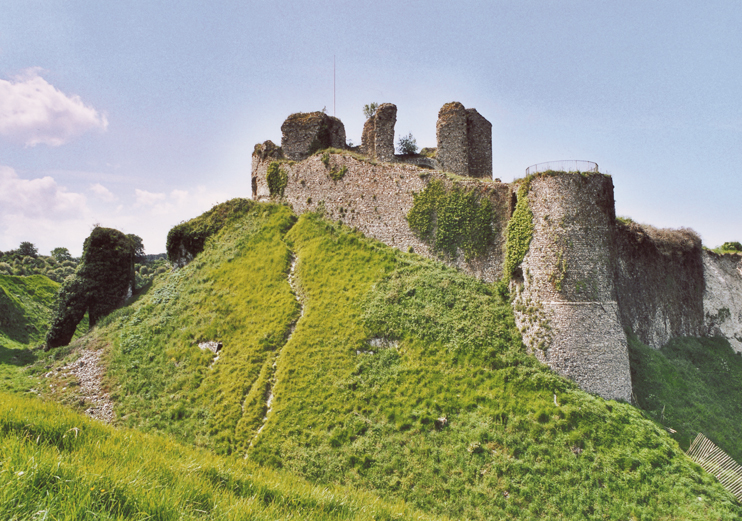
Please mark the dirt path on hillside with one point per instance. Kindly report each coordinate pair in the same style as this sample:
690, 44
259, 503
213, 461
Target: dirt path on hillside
89, 373
296, 290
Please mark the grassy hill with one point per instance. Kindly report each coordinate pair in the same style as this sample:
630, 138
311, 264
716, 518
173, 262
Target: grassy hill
388, 373
692, 385
57, 464
25, 310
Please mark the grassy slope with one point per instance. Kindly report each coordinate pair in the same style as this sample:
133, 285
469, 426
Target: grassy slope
237, 293
692, 385
56, 464
375, 421
25, 309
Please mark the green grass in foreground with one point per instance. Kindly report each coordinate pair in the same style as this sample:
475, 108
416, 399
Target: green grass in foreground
57, 464
691, 385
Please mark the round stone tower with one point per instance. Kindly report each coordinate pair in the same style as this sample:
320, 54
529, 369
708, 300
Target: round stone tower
565, 295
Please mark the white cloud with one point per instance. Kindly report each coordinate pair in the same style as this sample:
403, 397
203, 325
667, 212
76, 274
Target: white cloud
41, 211
32, 111
37, 198
102, 193
47, 214
145, 198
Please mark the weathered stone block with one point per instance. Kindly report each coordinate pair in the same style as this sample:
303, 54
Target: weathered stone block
377, 140
305, 133
464, 141
479, 135
453, 141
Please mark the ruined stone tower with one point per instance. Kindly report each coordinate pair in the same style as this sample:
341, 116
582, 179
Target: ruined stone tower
304, 133
566, 297
464, 141
377, 140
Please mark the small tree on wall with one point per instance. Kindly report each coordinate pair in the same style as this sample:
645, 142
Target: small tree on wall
407, 145
370, 109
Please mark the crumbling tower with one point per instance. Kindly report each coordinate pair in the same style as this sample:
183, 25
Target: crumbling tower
464, 141
377, 140
304, 133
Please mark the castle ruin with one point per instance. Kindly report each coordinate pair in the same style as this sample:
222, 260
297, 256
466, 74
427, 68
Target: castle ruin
586, 279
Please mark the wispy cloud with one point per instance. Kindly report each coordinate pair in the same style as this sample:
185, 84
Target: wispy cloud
145, 198
47, 214
102, 193
37, 198
41, 211
32, 111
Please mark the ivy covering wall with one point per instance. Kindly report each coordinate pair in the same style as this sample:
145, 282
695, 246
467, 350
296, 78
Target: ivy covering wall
452, 219
519, 233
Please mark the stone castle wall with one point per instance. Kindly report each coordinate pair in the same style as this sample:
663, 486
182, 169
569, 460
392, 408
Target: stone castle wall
376, 198
464, 141
722, 296
660, 283
377, 141
565, 304
479, 144
586, 278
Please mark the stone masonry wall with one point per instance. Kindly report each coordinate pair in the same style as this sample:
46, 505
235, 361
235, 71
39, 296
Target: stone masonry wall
305, 133
452, 134
565, 304
722, 297
479, 145
376, 198
660, 282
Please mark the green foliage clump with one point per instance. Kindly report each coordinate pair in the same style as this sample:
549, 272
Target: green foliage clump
337, 175
57, 269
57, 464
449, 220
729, 247
519, 233
187, 239
691, 385
100, 284
370, 109
277, 179
407, 145
27, 249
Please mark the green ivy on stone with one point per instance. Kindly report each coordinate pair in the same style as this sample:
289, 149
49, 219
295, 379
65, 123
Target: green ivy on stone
277, 179
452, 219
519, 232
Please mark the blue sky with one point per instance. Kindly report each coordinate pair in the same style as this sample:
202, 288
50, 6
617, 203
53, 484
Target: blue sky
138, 115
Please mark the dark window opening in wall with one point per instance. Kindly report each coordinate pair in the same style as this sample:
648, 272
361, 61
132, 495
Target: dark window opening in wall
254, 187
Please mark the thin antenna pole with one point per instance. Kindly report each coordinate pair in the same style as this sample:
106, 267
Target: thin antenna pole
333, 85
